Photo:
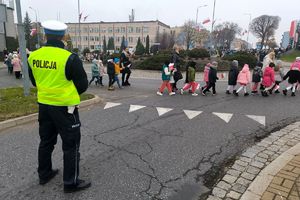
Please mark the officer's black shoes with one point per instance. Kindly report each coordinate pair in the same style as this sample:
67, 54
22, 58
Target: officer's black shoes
81, 185
51, 176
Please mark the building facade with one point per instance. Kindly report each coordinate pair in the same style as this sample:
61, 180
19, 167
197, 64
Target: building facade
285, 41
92, 34
7, 25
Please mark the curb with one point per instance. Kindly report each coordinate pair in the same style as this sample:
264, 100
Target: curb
263, 180
251, 174
33, 117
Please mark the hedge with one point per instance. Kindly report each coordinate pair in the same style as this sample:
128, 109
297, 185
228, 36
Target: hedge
198, 53
243, 58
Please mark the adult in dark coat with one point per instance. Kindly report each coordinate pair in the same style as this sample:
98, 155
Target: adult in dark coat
232, 77
176, 60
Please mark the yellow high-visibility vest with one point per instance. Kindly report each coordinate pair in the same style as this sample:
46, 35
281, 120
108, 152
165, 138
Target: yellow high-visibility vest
48, 68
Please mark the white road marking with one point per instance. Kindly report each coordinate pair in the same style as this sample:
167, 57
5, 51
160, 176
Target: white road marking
135, 108
111, 105
259, 119
191, 113
224, 116
161, 111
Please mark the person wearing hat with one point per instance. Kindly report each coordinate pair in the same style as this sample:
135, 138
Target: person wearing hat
60, 78
125, 64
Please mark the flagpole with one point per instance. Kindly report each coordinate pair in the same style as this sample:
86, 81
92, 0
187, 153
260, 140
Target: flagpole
79, 30
250, 18
212, 28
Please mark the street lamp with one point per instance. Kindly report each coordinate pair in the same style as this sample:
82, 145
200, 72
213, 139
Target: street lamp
37, 32
198, 11
250, 18
212, 28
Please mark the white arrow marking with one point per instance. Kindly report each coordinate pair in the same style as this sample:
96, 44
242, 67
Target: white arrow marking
259, 119
224, 116
135, 108
192, 114
162, 111
111, 105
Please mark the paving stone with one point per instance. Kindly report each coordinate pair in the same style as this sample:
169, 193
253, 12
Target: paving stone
279, 197
288, 184
242, 163
258, 148
277, 180
238, 167
219, 192
245, 159
257, 164
249, 154
233, 195
275, 191
267, 196
243, 181
224, 185
280, 188
213, 198
263, 155
248, 176
273, 148
263, 160
229, 178
239, 188
292, 143
263, 144
253, 170
270, 153
289, 168
278, 133
234, 172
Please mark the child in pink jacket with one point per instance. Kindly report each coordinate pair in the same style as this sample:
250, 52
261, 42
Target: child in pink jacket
205, 78
243, 79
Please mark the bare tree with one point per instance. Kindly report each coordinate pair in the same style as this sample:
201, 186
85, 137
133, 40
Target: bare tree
271, 43
201, 36
189, 32
166, 40
225, 33
264, 27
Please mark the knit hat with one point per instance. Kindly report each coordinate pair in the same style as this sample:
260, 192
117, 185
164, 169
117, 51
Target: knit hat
235, 63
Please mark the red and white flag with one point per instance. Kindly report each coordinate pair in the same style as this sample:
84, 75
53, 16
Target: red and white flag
33, 32
206, 21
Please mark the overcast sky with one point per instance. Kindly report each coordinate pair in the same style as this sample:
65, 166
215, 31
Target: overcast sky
171, 12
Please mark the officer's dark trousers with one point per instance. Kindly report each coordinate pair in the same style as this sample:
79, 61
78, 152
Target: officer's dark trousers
54, 120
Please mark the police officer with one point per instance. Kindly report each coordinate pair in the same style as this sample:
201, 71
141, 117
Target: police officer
59, 77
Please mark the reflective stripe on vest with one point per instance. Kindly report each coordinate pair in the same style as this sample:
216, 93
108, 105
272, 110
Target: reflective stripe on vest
48, 68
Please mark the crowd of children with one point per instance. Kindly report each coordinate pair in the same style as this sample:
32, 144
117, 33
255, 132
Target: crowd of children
13, 63
265, 78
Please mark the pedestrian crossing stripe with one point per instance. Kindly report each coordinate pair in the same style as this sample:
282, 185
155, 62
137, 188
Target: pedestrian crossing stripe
161, 111
111, 105
224, 116
259, 119
191, 113
135, 108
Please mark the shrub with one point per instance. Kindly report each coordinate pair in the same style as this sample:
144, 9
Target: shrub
243, 58
154, 62
198, 53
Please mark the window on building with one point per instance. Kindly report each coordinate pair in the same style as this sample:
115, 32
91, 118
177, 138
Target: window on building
92, 38
144, 39
146, 29
130, 29
92, 47
138, 29
130, 39
110, 29
123, 29
117, 30
96, 38
85, 30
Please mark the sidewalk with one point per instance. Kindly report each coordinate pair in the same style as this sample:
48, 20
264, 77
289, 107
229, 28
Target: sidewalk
270, 170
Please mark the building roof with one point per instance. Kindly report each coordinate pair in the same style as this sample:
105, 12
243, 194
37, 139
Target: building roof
127, 22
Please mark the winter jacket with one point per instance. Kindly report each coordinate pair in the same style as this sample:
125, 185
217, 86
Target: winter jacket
268, 77
293, 75
176, 60
212, 76
95, 70
16, 64
279, 74
206, 73
233, 75
166, 74
191, 74
110, 68
244, 75
257, 74
296, 64
117, 69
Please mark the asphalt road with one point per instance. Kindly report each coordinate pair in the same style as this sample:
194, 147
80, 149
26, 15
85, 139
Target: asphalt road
141, 155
